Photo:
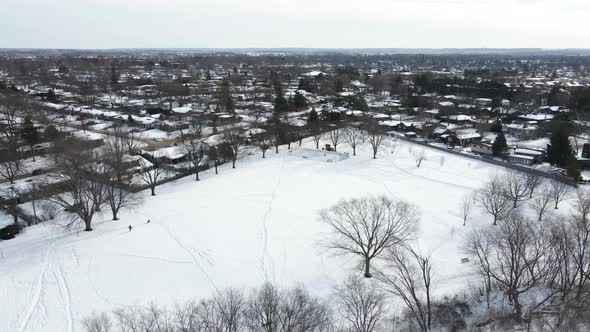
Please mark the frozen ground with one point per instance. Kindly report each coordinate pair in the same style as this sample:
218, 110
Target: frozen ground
246, 225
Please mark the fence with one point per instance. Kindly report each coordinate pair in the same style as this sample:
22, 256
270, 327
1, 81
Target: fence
561, 178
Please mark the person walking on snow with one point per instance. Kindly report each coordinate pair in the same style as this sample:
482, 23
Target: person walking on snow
130, 228
148, 221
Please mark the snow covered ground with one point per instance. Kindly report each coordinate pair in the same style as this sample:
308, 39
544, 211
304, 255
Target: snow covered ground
239, 228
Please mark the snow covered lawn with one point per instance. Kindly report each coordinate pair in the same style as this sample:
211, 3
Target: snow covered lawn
239, 228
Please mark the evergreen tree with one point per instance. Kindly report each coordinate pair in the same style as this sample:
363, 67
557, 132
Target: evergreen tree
280, 104
114, 75
225, 99
313, 116
29, 133
496, 127
299, 101
500, 146
339, 85
560, 151
51, 97
573, 168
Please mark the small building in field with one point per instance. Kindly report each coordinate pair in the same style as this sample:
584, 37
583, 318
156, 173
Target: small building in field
520, 159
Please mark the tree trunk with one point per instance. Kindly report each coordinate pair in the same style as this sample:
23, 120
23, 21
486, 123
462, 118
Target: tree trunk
88, 225
368, 268
115, 218
263, 154
216, 167
233, 163
197, 176
153, 190
354, 150
374, 154
276, 149
495, 220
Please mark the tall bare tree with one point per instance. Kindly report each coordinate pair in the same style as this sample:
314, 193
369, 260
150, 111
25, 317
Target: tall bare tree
419, 157
151, 173
515, 186
375, 136
196, 152
367, 226
316, 134
362, 306
335, 136
354, 137
117, 161
560, 191
233, 138
493, 200
515, 255
408, 275
11, 165
467, 204
541, 203
84, 195
533, 182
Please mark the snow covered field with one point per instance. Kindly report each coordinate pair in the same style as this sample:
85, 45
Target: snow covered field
246, 225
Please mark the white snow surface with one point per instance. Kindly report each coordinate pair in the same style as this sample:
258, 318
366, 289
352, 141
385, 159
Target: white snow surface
239, 228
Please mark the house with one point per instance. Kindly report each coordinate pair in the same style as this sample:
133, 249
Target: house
538, 155
169, 155
483, 147
522, 131
520, 159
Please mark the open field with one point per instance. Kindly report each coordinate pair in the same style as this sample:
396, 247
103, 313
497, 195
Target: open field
239, 228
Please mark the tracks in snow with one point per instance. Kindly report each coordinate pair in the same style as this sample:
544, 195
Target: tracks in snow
190, 252
39, 291
265, 255
64, 291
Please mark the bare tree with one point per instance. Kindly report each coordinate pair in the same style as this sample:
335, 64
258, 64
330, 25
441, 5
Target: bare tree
354, 137
130, 140
264, 144
151, 173
533, 182
560, 191
10, 166
316, 134
582, 204
408, 275
232, 137
515, 255
97, 323
419, 157
541, 203
197, 156
230, 304
492, 199
375, 136
116, 195
262, 312
515, 186
84, 193
362, 306
367, 226
10, 121
467, 206
214, 155
299, 311
335, 136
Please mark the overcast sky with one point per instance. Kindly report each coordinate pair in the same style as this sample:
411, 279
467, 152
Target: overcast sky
294, 23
